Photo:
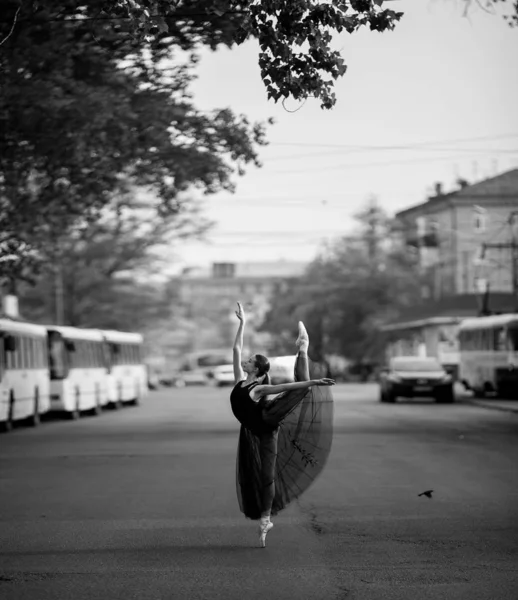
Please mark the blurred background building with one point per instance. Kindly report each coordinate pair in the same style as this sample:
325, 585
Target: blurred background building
205, 302
464, 237
215, 290
466, 241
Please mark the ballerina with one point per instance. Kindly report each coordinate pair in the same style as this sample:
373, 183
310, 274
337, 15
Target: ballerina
284, 442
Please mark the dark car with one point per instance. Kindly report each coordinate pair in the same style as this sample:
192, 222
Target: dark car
411, 377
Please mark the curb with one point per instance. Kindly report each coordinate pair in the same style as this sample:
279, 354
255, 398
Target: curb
490, 405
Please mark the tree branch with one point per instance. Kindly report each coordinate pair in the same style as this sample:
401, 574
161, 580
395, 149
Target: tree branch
12, 27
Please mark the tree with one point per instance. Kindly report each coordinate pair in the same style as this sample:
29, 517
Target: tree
348, 291
101, 275
295, 37
83, 108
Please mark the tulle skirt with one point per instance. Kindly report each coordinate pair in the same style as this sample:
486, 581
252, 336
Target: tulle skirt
293, 452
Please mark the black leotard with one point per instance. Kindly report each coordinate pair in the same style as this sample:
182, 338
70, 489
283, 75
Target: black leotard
246, 411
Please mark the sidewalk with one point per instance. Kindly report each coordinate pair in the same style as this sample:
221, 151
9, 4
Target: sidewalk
492, 403
507, 405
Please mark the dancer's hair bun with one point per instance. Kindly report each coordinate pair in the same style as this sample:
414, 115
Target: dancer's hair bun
262, 364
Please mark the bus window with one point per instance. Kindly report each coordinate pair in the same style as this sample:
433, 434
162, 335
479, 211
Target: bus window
115, 353
500, 340
10, 358
3, 357
57, 356
33, 361
38, 353
513, 338
17, 354
107, 356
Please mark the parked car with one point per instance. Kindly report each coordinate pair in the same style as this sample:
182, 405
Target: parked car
198, 367
411, 376
223, 375
153, 380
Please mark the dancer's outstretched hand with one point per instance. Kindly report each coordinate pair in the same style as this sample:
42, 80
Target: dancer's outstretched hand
240, 313
325, 381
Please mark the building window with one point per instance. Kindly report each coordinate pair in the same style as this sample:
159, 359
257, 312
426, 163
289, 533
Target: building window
479, 219
223, 269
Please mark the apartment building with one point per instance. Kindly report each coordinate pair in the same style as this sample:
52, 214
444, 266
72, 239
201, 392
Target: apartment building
464, 236
215, 290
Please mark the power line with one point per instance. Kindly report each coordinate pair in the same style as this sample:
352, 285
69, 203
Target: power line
417, 144
365, 165
268, 234
388, 149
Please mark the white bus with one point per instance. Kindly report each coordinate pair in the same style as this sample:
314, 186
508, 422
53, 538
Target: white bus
24, 375
78, 370
489, 355
127, 374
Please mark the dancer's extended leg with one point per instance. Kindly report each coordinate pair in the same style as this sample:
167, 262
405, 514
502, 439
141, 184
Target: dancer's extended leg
277, 409
302, 361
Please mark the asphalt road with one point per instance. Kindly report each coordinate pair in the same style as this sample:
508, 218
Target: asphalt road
140, 504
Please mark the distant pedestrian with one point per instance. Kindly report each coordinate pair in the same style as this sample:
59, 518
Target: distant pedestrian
284, 442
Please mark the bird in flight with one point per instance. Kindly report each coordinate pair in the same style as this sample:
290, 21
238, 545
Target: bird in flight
428, 493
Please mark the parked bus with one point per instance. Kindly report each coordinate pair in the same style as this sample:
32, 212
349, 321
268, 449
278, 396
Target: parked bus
127, 376
489, 355
24, 375
78, 370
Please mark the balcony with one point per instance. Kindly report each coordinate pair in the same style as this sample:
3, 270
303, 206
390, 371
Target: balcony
423, 240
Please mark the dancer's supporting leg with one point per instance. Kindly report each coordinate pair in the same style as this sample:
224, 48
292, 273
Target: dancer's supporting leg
268, 455
268, 442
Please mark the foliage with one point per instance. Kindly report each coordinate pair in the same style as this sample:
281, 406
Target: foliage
491, 6
348, 291
84, 108
101, 275
295, 37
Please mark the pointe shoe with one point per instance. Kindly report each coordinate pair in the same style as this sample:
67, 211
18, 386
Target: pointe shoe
263, 530
303, 336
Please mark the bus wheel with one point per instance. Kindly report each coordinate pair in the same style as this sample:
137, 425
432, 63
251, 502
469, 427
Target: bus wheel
136, 399
76, 413
117, 404
7, 425
97, 409
34, 419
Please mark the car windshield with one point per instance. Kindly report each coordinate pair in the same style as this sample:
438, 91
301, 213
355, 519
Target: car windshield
416, 365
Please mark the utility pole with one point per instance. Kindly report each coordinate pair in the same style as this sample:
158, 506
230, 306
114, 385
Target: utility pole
513, 222
59, 300
513, 246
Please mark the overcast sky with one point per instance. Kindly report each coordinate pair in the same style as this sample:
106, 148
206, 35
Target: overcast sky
431, 101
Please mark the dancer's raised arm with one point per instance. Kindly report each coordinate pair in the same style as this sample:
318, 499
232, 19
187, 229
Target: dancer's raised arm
238, 344
265, 390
